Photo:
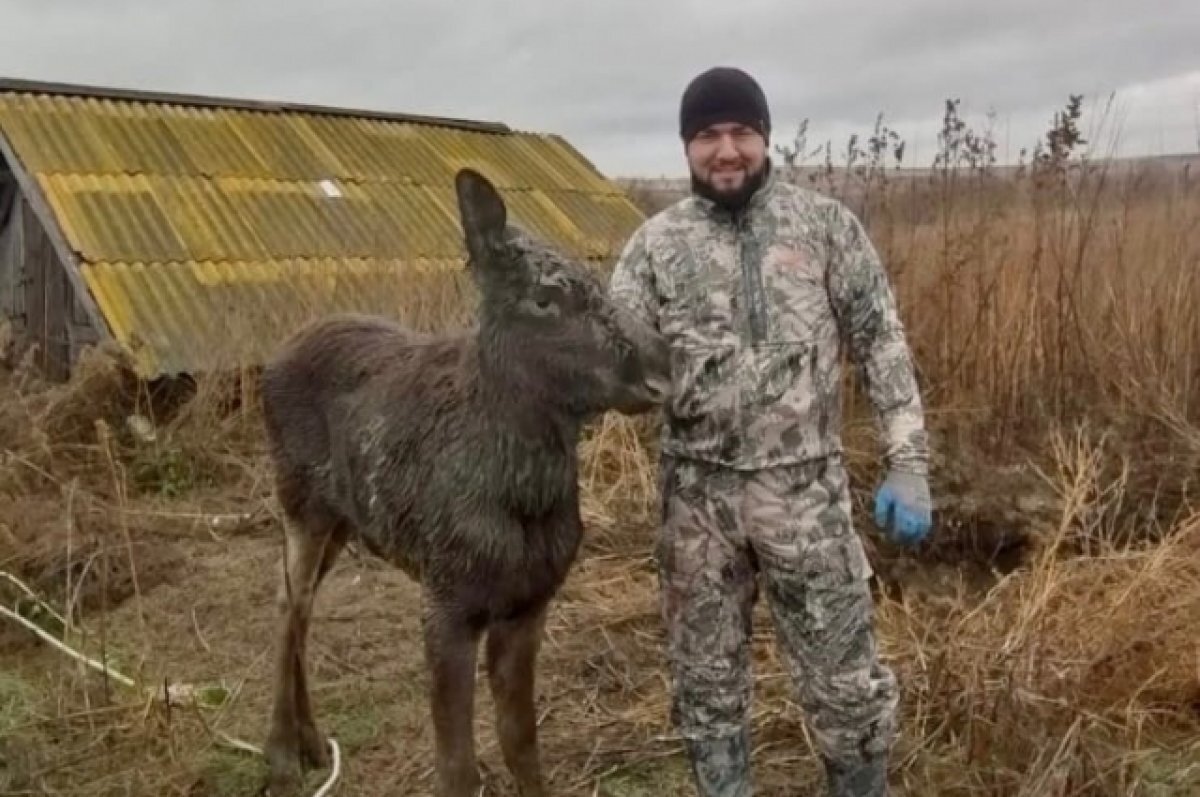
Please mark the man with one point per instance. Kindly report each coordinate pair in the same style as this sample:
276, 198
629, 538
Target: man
759, 285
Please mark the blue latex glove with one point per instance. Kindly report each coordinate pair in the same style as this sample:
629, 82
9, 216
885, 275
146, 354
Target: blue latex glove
903, 508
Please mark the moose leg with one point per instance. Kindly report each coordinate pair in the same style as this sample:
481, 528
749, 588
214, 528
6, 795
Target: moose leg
512, 650
312, 547
451, 647
312, 743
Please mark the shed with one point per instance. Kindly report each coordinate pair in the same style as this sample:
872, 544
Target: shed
198, 232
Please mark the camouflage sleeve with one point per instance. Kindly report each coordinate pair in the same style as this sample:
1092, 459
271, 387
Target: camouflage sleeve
870, 324
632, 283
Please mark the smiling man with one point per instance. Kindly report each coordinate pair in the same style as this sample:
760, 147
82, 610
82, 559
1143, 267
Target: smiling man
759, 285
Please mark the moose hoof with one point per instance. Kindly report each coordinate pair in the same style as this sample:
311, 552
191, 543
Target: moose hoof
314, 750
285, 772
289, 756
461, 783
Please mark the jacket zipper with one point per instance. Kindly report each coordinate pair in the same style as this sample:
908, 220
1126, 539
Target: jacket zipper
752, 283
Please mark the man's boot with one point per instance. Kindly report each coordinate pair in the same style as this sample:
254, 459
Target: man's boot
864, 777
721, 766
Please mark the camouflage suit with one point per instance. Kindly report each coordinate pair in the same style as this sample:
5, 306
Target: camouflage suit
758, 310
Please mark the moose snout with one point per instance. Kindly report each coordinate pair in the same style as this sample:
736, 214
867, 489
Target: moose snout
654, 359
657, 365
658, 389
644, 380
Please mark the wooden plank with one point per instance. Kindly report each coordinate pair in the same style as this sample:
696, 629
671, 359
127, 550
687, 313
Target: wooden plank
58, 311
10, 245
35, 289
48, 302
81, 337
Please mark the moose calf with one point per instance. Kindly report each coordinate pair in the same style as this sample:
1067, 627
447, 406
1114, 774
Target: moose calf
453, 458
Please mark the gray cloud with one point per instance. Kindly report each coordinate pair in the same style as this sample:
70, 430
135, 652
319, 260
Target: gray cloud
608, 75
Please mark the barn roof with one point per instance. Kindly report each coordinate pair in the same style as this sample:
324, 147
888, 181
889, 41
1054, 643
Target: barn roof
204, 229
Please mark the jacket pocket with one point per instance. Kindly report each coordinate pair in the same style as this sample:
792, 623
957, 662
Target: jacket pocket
705, 382
778, 400
776, 371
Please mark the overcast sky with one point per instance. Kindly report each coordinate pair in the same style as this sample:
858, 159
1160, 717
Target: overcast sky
607, 75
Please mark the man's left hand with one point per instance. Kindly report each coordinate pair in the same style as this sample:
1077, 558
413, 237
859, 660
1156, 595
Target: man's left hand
903, 507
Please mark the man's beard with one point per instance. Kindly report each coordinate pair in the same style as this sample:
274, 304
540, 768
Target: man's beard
736, 199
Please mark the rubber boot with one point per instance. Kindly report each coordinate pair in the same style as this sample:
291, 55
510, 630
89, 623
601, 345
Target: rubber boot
721, 766
862, 778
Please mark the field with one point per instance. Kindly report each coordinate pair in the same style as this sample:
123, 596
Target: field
1047, 638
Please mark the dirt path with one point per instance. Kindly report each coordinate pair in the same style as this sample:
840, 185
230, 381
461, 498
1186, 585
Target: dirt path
213, 621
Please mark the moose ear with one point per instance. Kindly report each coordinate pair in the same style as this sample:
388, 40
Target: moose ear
482, 212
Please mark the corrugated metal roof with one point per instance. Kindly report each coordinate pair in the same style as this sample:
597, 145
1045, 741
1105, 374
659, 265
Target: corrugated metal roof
206, 229
203, 316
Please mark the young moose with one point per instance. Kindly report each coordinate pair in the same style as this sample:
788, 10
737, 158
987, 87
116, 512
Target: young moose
453, 458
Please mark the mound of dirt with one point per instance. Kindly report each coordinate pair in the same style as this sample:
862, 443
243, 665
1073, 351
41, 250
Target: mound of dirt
79, 560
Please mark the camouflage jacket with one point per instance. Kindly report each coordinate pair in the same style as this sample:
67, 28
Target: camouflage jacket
758, 310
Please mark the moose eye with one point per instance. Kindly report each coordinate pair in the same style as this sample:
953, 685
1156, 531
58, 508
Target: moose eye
542, 305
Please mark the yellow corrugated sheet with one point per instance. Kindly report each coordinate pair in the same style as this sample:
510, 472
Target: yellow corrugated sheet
206, 234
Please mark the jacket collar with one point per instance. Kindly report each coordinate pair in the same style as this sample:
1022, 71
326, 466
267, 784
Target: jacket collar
758, 200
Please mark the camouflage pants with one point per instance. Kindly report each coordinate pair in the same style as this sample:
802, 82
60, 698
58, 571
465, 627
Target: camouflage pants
722, 532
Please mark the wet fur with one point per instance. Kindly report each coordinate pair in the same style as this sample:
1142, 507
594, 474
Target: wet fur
453, 458
402, 436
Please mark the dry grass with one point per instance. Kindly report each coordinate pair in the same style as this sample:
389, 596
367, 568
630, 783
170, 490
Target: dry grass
1046, 640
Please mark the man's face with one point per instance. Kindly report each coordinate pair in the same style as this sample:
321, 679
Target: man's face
726, 156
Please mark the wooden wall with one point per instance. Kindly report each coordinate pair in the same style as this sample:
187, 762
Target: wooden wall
36, 296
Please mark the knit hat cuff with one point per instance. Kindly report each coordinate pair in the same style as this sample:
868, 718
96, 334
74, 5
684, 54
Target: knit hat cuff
745, 116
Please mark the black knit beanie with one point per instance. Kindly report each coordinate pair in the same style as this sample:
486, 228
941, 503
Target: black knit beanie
723, 94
